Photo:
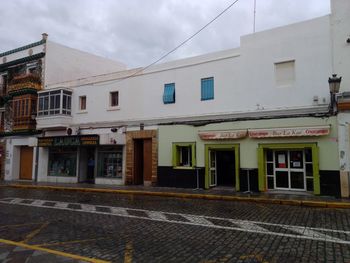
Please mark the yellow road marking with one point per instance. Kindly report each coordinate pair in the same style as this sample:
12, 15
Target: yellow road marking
35, 232
55, 252
69, 242
128, 252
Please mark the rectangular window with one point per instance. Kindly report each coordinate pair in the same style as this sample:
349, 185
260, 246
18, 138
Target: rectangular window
207, 89
110, 162
114, 99
184, 155
82, 103
62, 162
169, 93
50, 103
285, 73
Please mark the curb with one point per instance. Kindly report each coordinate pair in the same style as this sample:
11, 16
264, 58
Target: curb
293, 202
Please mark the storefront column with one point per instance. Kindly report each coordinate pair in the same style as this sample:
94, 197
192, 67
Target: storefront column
261, 169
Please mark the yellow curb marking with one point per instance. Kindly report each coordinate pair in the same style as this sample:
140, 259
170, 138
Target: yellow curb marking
69, 242
186, 195
55, 252
128, 252
35, 232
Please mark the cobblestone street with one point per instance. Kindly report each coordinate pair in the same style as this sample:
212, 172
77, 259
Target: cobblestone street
126, 228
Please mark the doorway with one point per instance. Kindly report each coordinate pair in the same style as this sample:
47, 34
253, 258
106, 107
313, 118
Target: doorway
289, 169
222, 168
142, 161
26, 163
90, 176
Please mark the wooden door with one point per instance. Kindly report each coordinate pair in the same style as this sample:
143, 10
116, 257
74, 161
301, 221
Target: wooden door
147, 159
138, 162
26, 163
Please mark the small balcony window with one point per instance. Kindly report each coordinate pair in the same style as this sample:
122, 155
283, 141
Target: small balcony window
55, 102
82, 103
114, 99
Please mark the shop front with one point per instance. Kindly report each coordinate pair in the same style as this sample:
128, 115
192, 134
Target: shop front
292, 155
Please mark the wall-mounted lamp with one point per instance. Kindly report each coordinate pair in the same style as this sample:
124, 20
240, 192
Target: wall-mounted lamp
114, 129
348, 40
334, 86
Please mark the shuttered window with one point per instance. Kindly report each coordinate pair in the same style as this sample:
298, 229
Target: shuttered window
169, 93
207, 89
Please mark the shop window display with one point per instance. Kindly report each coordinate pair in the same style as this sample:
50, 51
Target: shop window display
62, 163
110, 163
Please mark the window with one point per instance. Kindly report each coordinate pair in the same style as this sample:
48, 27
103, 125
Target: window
82, 103
184, 155
114, 99
62, 161
285, 73
3, 84
207, 89
169, 93
54, 103
110, 162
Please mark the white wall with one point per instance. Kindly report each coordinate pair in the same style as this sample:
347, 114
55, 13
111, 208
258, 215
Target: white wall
63, 63
244, 80
340, 21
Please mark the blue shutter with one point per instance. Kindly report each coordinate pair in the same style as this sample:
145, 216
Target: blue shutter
207, 89
169, 93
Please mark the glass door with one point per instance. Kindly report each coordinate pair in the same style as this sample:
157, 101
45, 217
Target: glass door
212, 168
297, 171
282, 169
289, 170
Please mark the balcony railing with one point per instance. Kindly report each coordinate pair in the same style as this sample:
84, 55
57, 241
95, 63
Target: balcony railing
26, 81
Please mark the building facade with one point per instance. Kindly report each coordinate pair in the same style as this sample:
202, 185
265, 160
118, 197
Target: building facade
257, 117
24, 72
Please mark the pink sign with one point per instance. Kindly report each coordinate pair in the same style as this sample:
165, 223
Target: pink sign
289, 132
222, 135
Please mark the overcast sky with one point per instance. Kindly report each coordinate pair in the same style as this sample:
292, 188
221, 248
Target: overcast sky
138, 32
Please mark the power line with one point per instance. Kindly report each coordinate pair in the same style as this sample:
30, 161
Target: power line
181, 44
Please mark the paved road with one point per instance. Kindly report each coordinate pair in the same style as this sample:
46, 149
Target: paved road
122, 228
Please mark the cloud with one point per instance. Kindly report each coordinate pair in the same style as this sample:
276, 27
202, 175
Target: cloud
138, 32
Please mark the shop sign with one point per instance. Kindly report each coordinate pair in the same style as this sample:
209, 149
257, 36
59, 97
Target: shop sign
289, 132
81, 140
222, 135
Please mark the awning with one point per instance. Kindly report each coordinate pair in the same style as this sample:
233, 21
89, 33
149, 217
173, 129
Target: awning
289, 132
222, 135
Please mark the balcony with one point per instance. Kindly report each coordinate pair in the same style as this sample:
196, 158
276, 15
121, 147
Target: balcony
26, 81
23, 123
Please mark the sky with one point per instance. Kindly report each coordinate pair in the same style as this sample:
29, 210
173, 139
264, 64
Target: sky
138, 32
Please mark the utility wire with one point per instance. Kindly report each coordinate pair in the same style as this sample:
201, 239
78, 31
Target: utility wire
181, 44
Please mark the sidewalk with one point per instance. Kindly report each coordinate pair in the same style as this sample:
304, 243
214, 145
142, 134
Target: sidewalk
217, 193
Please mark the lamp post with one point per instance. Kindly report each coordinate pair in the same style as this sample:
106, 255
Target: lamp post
334, 86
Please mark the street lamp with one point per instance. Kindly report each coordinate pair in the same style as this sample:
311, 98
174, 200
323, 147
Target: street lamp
334, 86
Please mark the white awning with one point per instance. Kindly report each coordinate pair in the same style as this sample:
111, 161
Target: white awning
289, 132
222, 135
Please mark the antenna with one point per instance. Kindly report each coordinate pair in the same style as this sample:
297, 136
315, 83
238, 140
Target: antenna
254, 16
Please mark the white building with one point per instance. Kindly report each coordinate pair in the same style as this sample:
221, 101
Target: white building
23, 72
260, 110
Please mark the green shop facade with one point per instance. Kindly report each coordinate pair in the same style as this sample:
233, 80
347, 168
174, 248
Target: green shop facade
288, 155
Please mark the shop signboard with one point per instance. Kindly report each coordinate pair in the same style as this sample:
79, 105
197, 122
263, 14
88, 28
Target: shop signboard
222, 135
289, 132
61, 141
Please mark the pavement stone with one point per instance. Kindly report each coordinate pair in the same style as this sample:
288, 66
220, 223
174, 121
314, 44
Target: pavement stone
112, 238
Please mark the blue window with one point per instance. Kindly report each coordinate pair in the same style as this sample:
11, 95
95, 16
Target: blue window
169, 93
207, 89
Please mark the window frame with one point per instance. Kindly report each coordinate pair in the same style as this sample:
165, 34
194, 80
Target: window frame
176, 162
111, 99
61, 105
82, 103
168, 86
205, 96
